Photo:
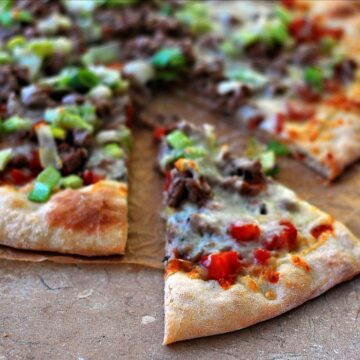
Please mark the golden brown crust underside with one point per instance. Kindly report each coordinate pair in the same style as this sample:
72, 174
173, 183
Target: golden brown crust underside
91, 221
195, 308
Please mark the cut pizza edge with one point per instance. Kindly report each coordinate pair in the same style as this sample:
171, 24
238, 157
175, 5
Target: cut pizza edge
91, 221
196, 308
240, 248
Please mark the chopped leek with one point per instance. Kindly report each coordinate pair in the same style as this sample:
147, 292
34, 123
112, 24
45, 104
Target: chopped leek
5, 156
315, 78
102, 54
48, 151
15, 123
114, 150
178, 140
72, 182
40, 193
46, 181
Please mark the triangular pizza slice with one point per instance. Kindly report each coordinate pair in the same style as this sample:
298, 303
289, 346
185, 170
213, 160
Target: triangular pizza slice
241, 248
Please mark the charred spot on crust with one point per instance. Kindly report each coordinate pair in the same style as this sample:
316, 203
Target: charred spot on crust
89, 212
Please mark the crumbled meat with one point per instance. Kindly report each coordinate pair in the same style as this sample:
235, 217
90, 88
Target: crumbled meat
12, 78
185, 187
103, 107
73, 99
306, 54
345, 70
53, 64
244, 176
82, 138
73, 159
201, 224
35, 96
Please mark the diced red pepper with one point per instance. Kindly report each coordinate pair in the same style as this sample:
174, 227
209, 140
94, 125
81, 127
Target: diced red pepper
244, 231
289, 4
167, 180
299, 111
129, 115
283, 238
159, 133
262, 256
222, 266
280, 120
306, 30
318, 230
20, 177
90, 177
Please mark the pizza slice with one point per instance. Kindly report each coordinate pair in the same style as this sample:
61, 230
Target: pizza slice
286, 73
63, 162
240, 248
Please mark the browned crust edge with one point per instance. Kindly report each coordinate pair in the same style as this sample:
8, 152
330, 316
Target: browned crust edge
91, 221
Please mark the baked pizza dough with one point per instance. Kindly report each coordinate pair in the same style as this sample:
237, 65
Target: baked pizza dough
90, 221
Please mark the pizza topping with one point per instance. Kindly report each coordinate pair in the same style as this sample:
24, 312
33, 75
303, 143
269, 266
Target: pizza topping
317, 231
72, 182
241, 231
223, 267
185, 186
262, 256
5, 156
44, 184
14, 124
281, 237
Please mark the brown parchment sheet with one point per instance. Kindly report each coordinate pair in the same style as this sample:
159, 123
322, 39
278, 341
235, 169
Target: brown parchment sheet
105, 311
145, 244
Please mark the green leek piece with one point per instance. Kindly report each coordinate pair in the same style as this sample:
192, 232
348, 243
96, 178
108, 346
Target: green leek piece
15, 41
178, 140
72, 182
267, 160
103, 54
247, 76
278, 148
16, 123
114, 150
314, 77
5, 58
194, 152
66, 118
5, 156
50, 177
58, 133
195, 16
40, 193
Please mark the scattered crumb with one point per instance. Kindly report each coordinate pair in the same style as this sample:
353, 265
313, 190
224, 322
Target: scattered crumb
147, 319
84, 294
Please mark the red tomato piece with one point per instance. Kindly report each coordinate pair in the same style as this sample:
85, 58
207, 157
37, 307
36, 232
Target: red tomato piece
262, 256
299, 111
167, 180
20, 177
289, 4
318, 230
285, 237
244, 231
90, 177
159, 133
222, 266
280, 120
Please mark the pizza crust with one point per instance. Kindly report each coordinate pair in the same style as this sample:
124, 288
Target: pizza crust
91, 221
195, 308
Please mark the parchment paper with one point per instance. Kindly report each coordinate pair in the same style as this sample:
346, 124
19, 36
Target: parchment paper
145, 244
